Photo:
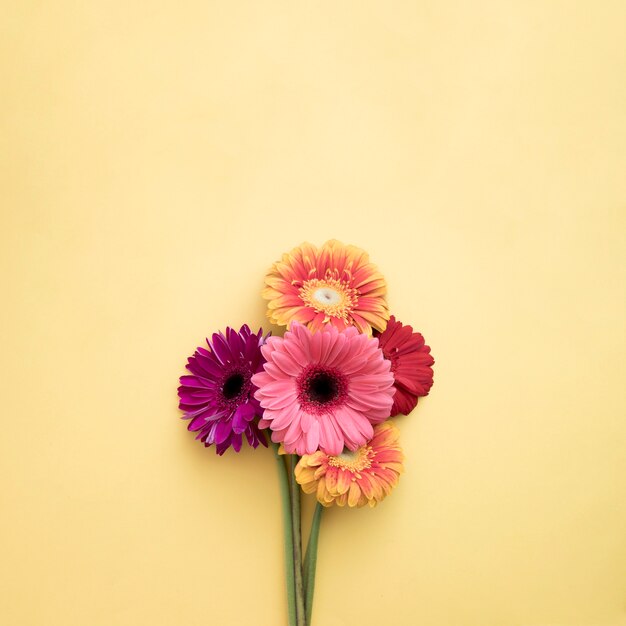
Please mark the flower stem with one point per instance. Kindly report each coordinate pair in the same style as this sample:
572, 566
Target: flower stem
288, 536
310, 561
297, 542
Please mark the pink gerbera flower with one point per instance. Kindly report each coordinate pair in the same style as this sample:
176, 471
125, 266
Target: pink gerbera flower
323, 390
410, 363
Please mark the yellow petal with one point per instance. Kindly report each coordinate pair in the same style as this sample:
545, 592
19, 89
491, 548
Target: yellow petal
354, 494
343, 481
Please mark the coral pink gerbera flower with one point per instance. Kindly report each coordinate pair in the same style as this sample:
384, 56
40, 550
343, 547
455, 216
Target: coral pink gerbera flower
323, 390
410, 363
335, 284
365, 476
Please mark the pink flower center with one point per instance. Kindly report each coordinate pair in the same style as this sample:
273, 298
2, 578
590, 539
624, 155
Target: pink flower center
321, 389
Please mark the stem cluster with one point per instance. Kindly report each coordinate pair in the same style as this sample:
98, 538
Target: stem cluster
300, 573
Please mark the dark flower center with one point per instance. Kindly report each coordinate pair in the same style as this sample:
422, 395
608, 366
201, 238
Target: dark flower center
322, 387
233, 386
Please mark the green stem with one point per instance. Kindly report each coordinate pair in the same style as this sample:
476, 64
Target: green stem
297, 542
288, 536
310, 561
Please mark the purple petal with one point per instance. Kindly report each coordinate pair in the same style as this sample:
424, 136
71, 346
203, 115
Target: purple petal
220, 348
243, 414
254, 436
223, 430
210, 437
206, 353
204, 367
189, 399
235, 441
220, 448
197, 382
235, 341
197, 423
211, 412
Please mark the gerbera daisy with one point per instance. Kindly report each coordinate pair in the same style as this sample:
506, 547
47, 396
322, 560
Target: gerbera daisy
323, 390
365, 476
218, 397
410, 363
335, 284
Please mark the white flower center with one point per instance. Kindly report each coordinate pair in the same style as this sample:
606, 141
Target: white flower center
349, 455
330, 296
327, 296
353, 461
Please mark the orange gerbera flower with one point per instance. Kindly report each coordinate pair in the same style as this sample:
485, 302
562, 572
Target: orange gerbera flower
365, 476
335, 284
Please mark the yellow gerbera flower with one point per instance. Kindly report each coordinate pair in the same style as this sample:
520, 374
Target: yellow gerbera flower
365, 476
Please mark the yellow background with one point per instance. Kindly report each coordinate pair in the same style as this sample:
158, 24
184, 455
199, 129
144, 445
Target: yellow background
157, 158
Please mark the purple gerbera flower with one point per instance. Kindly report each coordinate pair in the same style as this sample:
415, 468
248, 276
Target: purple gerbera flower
218, 397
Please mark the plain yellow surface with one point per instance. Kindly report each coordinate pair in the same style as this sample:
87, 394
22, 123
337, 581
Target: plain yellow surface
158, 157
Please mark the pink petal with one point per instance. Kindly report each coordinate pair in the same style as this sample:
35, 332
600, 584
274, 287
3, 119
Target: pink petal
313, 437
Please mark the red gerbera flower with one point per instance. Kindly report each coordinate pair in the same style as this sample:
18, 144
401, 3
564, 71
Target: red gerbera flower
410, 364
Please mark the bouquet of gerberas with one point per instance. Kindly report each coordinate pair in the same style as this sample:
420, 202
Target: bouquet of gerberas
324, 392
